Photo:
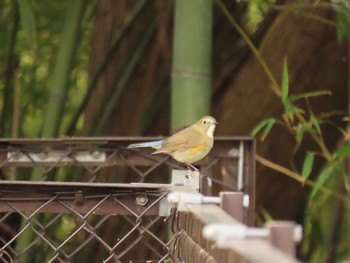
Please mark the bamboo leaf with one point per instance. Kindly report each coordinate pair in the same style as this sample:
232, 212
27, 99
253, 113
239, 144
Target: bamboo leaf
299, 134
266, 215
285, 83
290, 109
342, 151
266, 125
321, 180
308, 164
306, 95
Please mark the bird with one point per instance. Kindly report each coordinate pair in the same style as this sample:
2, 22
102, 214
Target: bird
188, 145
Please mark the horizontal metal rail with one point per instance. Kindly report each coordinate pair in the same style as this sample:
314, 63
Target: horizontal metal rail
64, 197
223, 249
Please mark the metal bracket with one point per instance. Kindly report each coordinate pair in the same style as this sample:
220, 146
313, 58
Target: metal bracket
79, 198
164, 207
185, 178
180, 199
222, 233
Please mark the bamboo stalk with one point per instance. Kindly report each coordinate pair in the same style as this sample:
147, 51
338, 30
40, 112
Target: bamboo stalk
59, 88
63, 64
191, 68
9, 72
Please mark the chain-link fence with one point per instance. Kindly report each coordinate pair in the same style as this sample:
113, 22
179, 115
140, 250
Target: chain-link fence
94, 200
73, 222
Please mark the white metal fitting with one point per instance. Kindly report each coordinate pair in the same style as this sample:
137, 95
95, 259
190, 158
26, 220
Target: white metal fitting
180, 199
246, 201
221, 233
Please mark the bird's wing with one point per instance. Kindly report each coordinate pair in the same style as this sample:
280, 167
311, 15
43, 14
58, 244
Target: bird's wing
183, 140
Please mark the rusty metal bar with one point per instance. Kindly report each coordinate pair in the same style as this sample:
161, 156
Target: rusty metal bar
81, 197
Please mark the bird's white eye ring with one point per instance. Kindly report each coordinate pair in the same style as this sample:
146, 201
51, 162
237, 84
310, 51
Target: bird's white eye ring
204, 122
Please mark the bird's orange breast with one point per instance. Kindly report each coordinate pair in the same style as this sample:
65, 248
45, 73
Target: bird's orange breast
196, 148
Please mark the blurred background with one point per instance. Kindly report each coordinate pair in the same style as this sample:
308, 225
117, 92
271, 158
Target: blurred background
279, 69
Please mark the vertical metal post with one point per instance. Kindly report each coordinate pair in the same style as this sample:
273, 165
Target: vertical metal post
204, 187
240, 173
282, 236
232, 203
249, 182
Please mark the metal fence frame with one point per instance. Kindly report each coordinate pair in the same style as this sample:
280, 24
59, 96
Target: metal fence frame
230, 166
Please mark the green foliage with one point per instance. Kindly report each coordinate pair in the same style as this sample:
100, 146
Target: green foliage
332, 176
342, 152
28, 22
289, 107
327, 171
342, 8
308, 164
306, 95
256, 10
37, 41
28, 69
265, 126
266, 215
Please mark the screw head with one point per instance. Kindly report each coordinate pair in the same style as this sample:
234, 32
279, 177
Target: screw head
141, 200
96, 154
17, 155
42, 155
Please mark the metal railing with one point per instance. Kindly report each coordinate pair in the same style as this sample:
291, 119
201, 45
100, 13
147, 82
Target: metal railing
206, 233
94, 200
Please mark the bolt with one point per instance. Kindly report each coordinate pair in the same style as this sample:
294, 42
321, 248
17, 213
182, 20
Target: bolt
17, 155
96, 154
141, 200
42, 155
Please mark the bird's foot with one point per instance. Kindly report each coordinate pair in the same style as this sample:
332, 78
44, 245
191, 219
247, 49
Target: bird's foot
192, 168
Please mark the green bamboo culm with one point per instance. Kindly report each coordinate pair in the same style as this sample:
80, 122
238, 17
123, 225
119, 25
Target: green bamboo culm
51, 124
191, 68
62, 68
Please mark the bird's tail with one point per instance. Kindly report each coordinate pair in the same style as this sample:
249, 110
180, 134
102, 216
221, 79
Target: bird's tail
154, 144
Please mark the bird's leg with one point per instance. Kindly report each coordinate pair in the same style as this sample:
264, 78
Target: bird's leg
191, 167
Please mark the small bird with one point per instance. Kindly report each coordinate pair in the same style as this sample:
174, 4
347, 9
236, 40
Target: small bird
188, 145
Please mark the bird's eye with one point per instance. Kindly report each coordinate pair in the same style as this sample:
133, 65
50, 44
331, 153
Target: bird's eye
204, 122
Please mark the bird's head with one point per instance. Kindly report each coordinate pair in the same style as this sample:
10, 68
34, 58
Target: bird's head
207, 124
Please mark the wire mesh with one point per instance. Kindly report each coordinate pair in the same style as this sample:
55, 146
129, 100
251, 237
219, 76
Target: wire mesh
192, 247
46, 219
